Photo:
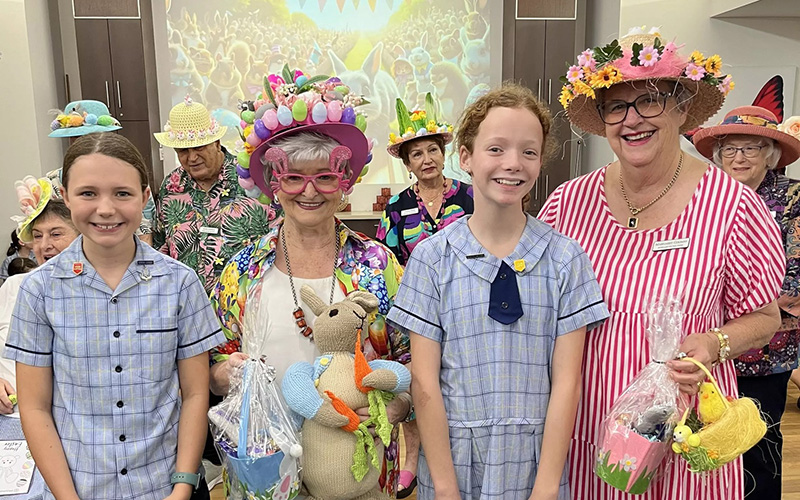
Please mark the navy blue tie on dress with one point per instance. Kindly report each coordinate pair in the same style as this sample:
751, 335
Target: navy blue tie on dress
505, 305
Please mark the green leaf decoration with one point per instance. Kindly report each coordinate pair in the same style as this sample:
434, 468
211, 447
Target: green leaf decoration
310, 83
403, 120
563, 79
608, 53
288, 77
430, 108
636, 48
657, 45
268, 89
693, 421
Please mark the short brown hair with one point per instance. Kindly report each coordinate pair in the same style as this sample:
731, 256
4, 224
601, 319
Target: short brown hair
508, 95
111, 145
55, 208
403, 151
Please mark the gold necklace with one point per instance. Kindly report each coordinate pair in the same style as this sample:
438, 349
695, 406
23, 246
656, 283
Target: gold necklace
633, 221
430, 203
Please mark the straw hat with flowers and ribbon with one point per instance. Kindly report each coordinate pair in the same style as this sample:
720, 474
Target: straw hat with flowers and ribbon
753, 121
82, 118
292, 103
641, 56
190, 125
417, 124
33, 195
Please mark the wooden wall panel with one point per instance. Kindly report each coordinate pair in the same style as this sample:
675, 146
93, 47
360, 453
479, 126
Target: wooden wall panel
547, 9
106, 8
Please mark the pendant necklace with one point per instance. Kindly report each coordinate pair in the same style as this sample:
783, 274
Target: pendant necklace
430, 203
633, 220
298, 314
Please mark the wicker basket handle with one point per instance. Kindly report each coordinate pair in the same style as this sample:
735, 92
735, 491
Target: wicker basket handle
710, 377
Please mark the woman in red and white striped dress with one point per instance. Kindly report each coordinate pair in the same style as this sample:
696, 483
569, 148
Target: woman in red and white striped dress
657, 220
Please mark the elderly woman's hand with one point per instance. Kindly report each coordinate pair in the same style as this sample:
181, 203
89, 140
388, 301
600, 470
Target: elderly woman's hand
704, 347
220, 373
397, 410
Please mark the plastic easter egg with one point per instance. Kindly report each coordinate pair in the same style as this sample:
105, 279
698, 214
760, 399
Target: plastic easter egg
284, 116
90, 119
342, 89
261, 130
270, 119
319, 113
301, 80
248, 116
242, 124
263, 198
334, 79
299, 110
369, 157
246, 183
361, 123
349, 115
242, 172
105, 121
364, 172
371, 144
253, 192
244, 159
248, 130
334, 111
253, 140
263, 109
55, 125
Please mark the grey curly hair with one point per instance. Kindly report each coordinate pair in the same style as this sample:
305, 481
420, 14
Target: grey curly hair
774, 151
305, 147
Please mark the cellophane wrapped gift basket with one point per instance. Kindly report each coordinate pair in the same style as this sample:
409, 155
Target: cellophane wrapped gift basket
637, 430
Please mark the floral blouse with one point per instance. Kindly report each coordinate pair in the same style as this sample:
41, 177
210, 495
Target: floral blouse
782, 196
204, 229
406, 220
363, 264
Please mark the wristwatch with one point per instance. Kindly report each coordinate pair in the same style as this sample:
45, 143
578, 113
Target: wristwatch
185, 477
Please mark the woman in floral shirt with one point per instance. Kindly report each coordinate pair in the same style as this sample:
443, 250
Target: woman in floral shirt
749, 147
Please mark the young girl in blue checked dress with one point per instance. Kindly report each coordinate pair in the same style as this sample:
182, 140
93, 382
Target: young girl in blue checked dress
497, 305
110, 339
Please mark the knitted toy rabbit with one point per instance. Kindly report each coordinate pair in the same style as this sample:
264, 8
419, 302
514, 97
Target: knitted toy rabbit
327, 393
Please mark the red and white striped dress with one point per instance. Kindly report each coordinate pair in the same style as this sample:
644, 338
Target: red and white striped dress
734, 265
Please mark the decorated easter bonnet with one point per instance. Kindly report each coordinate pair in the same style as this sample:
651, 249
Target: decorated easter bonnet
33, 195
82, 118
417, 124
292, 103
640, 56
190, 125
749, 120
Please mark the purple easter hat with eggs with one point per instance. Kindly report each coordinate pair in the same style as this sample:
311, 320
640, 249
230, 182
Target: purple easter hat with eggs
292, 103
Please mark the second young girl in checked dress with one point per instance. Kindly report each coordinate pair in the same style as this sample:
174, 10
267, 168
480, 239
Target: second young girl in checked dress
497, 305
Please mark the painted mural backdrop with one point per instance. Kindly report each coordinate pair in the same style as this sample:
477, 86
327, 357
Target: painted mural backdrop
221, 50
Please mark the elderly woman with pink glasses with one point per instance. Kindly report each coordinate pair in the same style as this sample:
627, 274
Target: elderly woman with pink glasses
306, 161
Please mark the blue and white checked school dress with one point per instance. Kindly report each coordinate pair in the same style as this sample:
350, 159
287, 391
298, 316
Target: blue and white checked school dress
114, 355
495, 378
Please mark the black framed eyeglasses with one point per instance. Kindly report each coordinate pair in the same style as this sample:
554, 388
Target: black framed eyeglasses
647, 105
747, 151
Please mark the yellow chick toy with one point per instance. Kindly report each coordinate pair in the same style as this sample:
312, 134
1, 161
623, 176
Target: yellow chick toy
711, 405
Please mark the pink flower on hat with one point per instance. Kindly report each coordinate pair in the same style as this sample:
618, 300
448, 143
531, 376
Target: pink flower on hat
648, 56
726, 85
574, 73
586, 60
695, 72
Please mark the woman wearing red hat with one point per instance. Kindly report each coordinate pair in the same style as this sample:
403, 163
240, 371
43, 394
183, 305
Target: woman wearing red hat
749, 146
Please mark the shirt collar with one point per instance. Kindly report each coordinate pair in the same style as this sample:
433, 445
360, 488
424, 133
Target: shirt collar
227, 174
470, 252
72, 262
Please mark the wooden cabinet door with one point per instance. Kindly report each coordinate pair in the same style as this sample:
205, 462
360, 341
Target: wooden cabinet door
94, 58
127, 56
529, 55
138, 132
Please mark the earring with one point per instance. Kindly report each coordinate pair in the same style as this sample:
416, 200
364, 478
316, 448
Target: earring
409, 176
343, 196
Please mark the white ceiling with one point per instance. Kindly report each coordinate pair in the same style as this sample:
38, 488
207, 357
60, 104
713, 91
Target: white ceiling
757, 8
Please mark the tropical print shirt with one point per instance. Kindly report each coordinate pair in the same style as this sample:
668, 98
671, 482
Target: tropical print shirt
406, 220
363, 264
782, 196
204, 229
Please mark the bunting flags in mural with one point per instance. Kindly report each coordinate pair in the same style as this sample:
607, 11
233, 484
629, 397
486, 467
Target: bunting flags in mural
341, 4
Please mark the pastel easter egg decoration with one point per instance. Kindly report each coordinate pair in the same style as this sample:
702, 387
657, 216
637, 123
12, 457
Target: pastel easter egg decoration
284, 116
253, 192
334, 79
105, 121
342, 89
244, 159
248, 116
242, 172
369, 157
90, 119
242, 124
349, 115
371, 144
263, 109
261, 130
253, 140
263, 198
319, 113
299, 110
246, 183
334, 111
248, 130
270, 119
55, 125
301, 80
364, 172
75, 120
361, 123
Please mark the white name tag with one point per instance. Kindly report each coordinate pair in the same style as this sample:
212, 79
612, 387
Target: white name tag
409, 211
209, 230
660, 246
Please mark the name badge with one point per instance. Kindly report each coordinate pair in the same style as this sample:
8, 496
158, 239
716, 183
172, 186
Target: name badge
209, 230
660, 246
409, 211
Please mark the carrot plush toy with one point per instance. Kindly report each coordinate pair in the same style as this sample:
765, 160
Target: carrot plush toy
327, 394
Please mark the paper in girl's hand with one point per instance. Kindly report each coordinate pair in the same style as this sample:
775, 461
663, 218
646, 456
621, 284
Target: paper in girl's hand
637, 430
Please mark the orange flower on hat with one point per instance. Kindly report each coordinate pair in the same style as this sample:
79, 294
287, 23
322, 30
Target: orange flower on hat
606, 77
791, 126
580, 88
713, 65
